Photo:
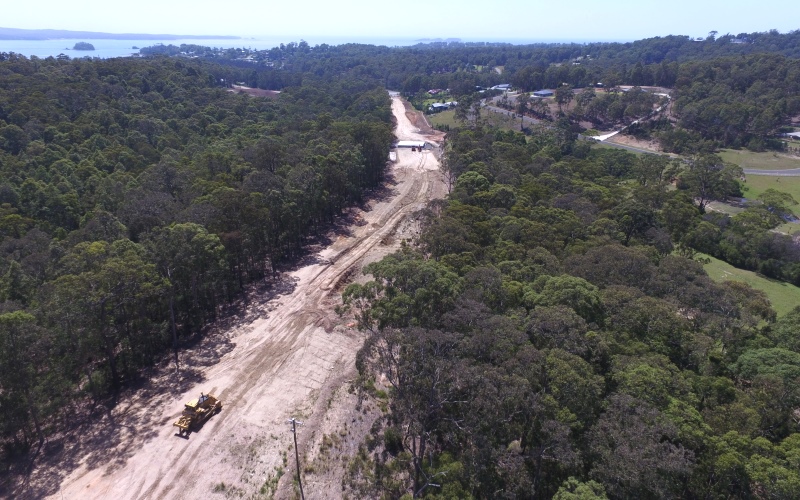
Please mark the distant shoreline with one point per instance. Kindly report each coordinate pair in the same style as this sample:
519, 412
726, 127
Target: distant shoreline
48, 34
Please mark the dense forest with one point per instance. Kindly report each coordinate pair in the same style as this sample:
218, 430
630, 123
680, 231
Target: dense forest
552, 333
138, 199
728, 91
550, 336
652, 61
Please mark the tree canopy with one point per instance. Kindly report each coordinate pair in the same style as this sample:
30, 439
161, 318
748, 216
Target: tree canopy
139, 198
559, 341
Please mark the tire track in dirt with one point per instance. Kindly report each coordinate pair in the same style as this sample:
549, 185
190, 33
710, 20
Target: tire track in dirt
286, 363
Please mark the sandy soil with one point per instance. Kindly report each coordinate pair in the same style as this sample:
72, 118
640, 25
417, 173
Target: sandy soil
421, 126
290, 356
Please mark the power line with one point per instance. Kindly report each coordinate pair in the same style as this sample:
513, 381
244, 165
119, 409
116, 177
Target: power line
294, 422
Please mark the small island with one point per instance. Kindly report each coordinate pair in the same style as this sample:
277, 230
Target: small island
83, 46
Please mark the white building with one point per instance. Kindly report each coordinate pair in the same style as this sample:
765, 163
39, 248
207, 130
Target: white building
410, 144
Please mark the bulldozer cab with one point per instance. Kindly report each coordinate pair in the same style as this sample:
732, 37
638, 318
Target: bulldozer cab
197, 403
197, 411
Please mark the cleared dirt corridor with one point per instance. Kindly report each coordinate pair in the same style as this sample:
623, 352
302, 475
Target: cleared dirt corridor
288, 358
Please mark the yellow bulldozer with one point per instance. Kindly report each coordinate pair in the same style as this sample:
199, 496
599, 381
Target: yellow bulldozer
197, 411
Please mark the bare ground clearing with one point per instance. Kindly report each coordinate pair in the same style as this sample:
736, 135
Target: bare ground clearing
290, 355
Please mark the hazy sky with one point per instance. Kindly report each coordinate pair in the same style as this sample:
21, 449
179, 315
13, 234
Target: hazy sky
467, 19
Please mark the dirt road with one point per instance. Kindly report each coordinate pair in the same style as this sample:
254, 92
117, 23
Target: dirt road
292, 357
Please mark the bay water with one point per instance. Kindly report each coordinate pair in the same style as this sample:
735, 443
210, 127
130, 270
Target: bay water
105, 48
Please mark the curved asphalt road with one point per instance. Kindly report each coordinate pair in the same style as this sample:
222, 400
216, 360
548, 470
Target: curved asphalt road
792, 172
534, 121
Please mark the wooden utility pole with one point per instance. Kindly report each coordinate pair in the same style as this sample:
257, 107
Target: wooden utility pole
294, 421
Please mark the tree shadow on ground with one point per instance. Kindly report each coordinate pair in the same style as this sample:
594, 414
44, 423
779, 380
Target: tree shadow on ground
92, 433
95, 432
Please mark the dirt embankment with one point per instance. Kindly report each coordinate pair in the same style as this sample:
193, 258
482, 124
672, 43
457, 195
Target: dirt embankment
422, 125
288, 355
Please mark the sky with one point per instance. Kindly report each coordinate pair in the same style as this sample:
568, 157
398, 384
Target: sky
570, 20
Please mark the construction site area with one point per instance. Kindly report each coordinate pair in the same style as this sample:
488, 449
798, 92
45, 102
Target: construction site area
286, 355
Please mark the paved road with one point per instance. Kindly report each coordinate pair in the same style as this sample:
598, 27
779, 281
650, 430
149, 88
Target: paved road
533, 121
792, 172
495, 109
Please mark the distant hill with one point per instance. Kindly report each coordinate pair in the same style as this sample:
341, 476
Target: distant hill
21, 34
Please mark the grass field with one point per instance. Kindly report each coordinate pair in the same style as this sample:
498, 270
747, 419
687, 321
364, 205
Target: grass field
443, 118
790, 228
494, 119
783, 296
757, 184
762, 161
